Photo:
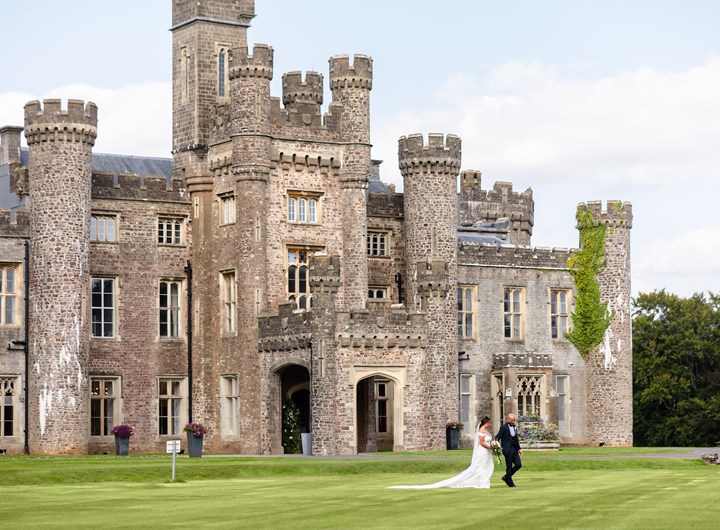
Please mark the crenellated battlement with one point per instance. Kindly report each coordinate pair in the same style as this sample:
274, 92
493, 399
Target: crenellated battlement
441, 153
432, 277
614, 213
302, 162
51, 123
297, 90
381, 326
485, 254
356, 75
258, 64
134, 186
501, 202
15, 222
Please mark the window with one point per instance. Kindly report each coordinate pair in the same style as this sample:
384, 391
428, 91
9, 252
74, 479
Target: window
529, 394
377, 244
8, 295
558, 314
169, 231
170, 405
104, 398
229, 300
227, 213
466, 309
512, 310
102, 228
170, 308
302, 207
196, 207
8, 404
467, 386
298, 285
382, 410
377, 292
222, 72
562, 387
103, 307
229, 405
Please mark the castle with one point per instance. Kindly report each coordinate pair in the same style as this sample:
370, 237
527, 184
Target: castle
267, 263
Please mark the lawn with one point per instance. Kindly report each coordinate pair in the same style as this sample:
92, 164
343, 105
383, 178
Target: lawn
553, 492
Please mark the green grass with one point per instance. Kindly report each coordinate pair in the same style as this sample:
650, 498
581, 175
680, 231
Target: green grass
557, 492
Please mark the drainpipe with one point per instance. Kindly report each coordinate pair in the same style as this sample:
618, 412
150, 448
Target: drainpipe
188, 272
26, 448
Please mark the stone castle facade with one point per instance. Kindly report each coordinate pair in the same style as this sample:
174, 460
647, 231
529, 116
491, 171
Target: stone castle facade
267, 263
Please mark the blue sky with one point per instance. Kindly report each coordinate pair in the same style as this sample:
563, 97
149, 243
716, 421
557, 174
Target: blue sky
577, 100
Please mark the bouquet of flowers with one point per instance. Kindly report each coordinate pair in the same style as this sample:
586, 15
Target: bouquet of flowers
496, 449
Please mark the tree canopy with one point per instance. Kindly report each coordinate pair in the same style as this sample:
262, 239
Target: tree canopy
676, 370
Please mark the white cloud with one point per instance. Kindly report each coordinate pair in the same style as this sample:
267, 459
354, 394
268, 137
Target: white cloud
694, 252
645, 136
132, 119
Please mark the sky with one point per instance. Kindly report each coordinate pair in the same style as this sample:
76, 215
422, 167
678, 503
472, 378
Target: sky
579, 101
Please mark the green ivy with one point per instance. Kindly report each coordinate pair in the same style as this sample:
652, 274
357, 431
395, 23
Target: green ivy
591, 318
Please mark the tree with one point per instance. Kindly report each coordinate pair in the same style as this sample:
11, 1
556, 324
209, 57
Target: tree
676, 369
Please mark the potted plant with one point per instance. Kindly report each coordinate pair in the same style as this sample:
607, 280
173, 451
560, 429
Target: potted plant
122, 434
534, 433
452, 434
195, 433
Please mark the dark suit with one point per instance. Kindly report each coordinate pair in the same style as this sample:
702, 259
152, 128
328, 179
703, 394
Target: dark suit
511, 451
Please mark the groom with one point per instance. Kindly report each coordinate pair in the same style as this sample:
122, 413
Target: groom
507, 436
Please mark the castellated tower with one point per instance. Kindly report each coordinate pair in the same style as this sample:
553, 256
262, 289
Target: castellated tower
430, 180
609, 366
60, 164
350, 85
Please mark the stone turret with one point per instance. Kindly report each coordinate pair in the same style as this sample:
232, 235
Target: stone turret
60, 172
430, 178
609, 366
350, 86
302, 99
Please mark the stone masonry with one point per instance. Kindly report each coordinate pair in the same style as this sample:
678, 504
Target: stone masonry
300, 277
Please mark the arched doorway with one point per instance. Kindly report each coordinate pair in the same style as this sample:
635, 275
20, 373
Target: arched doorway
295, 406
379, 396
375, 402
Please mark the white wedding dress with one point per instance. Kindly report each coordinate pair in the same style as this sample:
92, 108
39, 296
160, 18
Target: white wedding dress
476, 476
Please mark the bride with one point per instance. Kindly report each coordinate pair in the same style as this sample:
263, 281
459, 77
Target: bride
481, 466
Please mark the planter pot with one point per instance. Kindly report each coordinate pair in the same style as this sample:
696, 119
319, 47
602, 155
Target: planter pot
122, 445
306, 439
195, 445
452, 438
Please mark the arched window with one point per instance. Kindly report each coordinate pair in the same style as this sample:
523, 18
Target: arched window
312, 209
301, 210
222, 72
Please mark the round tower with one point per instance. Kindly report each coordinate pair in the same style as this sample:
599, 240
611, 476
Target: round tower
430, 178
609, 366
250, 74
350, 86
60, 174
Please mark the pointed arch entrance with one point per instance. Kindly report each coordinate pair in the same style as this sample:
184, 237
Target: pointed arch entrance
378, 394
292, 412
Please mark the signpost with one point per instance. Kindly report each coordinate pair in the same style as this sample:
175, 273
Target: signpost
173, 446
